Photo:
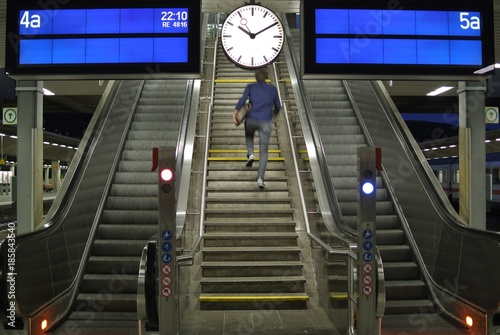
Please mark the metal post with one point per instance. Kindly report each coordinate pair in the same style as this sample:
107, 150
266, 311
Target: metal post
167, 263
29, 155
472, 153
367, 323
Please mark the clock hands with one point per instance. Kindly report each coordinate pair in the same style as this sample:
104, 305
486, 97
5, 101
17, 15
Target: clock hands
252, 35
272, 25
246, 31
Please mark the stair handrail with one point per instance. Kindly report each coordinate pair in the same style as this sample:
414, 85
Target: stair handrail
188, 259
303, 205
344, 236
316, 157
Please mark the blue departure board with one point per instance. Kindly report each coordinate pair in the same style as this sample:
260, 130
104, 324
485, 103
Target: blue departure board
91, 38
378, 39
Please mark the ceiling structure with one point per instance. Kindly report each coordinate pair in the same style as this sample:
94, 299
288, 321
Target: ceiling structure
75, 101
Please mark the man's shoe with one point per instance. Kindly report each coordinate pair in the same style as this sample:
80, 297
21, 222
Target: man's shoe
250, 160
260, 183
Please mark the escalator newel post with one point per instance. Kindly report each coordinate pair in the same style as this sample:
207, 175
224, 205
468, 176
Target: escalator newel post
166, 259
368, 164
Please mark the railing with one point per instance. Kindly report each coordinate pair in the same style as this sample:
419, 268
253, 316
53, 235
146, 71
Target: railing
188, 259
454, 288
147, 286
326, 197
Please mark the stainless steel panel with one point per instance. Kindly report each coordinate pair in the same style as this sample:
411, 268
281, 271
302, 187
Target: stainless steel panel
77, 203
448, 249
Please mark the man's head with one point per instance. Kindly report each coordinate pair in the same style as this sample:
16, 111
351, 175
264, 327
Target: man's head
261, 75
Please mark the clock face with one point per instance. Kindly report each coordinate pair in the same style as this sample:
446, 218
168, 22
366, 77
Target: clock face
252, 36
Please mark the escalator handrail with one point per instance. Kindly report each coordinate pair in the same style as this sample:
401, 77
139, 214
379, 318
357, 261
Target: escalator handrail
147, 286
425, 177
434, 190
72, 290
189, 258
56, 212
330, 211
151, 295
399, 212
349, 238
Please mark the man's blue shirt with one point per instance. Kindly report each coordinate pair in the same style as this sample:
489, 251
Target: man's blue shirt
263, 97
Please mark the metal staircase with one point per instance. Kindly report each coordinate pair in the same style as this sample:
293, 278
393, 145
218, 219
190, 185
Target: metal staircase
250, 253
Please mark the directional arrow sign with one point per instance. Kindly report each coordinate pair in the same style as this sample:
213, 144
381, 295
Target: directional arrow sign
491, 114
10, 115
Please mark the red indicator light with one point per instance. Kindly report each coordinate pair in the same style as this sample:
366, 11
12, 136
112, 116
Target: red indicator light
166, 175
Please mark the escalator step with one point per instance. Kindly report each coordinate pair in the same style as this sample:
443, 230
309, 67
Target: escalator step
115, 283
113, 264
108, 302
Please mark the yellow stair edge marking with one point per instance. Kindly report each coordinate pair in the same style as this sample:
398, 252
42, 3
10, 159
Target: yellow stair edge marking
274, 151
338, 296
237, 80
302, 151
243, 159
240, 298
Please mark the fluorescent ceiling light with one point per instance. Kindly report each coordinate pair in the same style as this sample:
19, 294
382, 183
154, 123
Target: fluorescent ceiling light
47, 92
440, 90
488, 68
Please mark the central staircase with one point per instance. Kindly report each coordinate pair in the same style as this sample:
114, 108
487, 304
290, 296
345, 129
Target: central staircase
250, 254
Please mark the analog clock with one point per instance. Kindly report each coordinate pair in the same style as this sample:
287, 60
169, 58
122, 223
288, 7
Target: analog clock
252, 36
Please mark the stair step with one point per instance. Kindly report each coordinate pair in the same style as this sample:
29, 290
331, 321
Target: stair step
283, 284
290, 253
249, 211
250, 239
247, 269
242, 177
243, 159
247, 189
255, 301
205, 297
214, 227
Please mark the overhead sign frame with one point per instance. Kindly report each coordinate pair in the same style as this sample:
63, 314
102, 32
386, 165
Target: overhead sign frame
69, 40
352, 40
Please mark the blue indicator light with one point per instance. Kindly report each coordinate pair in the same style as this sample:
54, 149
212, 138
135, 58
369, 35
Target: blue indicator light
367, 188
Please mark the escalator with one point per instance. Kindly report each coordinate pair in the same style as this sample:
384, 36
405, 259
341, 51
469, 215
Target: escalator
86, 265
420, 287
130, 215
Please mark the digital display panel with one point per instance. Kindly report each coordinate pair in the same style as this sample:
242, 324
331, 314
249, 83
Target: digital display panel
394, 39
90, 38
